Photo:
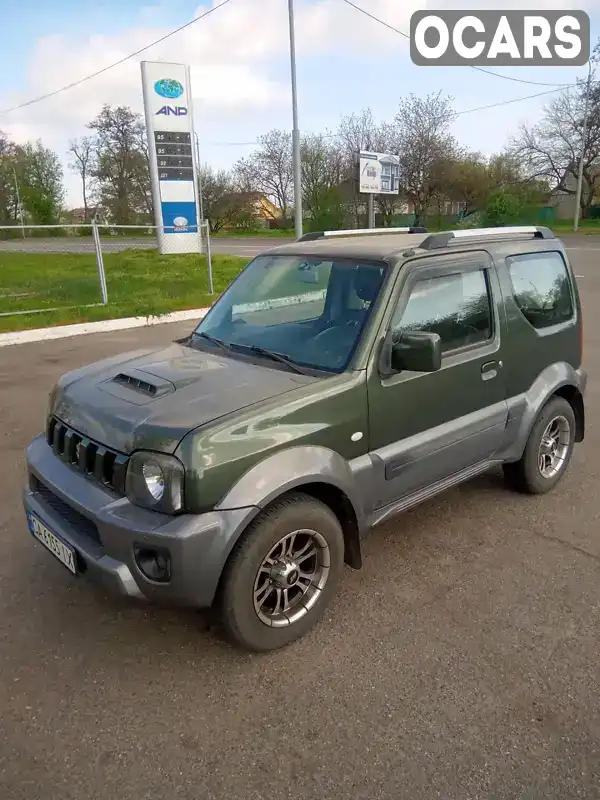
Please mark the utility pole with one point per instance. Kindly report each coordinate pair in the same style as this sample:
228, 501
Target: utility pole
295, 130
20, 207
583, 144
370, 211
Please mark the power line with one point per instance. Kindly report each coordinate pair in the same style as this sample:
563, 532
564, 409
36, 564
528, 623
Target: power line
456, 114
471, 66
117, 63
508, 102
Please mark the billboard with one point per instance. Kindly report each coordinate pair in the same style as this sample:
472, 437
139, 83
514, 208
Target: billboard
379, 173
173, 169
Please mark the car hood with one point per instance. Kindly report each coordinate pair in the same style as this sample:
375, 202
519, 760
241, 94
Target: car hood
150, 399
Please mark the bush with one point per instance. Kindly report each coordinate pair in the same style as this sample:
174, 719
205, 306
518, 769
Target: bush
502, 208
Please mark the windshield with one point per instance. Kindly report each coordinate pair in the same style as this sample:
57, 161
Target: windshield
311, 311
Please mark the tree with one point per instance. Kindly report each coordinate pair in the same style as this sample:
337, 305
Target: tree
8, 196
83, 162
269, 171
121, 169
466, 180
40, 177
421, 137
362, 132
551, 149
225, 204
322, 174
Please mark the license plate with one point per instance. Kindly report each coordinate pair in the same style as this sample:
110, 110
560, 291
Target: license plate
57, 547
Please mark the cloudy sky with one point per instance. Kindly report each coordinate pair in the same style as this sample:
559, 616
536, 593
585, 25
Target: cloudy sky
239, 63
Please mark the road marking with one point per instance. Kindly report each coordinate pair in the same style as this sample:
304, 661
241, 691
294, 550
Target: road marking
585, 249
64, 331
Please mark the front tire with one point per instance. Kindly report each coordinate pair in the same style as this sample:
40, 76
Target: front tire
548, 451
282, 574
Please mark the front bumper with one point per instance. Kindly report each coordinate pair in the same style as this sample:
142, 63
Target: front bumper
103, 529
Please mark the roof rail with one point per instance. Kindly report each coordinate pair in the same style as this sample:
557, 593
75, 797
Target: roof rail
311, 237
438, 240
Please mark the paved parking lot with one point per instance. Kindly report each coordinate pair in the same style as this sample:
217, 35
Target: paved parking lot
462, 662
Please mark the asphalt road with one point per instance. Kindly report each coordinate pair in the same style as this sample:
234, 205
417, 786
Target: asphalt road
462, 662
234, 246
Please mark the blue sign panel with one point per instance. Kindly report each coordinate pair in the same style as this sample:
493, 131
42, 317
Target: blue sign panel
179, 217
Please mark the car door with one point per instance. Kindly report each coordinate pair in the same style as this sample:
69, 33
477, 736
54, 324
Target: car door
425, 427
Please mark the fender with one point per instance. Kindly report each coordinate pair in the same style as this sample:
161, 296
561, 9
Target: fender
523, 409
290, 469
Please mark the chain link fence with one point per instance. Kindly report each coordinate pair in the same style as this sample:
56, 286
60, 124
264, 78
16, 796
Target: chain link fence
59, 267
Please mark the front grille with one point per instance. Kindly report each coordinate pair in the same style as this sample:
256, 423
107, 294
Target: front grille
81, 524
103, 465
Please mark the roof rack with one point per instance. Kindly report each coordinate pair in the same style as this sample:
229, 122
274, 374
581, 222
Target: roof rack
439, 240
311, 237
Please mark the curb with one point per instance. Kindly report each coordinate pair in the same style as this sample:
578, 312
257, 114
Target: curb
103, 326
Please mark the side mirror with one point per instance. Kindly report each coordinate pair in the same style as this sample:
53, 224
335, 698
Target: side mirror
416, 351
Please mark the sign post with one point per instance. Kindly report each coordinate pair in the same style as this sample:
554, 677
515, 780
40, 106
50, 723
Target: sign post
378, 173
173, 164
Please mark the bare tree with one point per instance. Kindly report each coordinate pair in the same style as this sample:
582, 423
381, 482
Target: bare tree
362, 132
82, 160
269, 170
551, 149
422, 138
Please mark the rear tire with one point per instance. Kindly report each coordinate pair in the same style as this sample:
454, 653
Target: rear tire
292, 553
548, 450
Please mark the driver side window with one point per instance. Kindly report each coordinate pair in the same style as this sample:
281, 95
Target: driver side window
456, 306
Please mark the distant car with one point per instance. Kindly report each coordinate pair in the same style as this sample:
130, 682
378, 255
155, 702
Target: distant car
338, 381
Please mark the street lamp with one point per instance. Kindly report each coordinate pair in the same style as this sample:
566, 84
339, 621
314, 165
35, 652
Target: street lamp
295, 130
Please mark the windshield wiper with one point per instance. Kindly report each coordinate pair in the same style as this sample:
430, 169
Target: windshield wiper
283, 359
213, 339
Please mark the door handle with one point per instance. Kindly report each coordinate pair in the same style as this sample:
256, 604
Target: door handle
489, 370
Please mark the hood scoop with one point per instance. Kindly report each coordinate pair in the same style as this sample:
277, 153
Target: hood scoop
137, 386
135, 383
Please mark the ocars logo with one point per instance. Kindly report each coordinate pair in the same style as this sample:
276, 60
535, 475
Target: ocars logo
168, 87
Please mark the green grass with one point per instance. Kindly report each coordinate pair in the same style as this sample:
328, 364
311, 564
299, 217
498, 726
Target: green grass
254, 233
139, 282
587, 227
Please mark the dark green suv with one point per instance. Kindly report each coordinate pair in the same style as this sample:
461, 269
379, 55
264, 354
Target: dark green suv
339, 380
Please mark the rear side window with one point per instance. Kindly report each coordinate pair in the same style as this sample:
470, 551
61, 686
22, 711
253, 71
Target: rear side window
541, 288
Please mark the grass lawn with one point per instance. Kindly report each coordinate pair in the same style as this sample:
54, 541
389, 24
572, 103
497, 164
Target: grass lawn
139, 282
254, 233
587, 227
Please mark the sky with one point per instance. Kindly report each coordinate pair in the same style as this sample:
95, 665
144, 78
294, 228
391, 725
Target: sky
239, 61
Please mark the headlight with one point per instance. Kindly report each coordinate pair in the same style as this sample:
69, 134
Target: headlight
155, 481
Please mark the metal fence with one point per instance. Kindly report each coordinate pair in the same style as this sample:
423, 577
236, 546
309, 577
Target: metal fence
73, 274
